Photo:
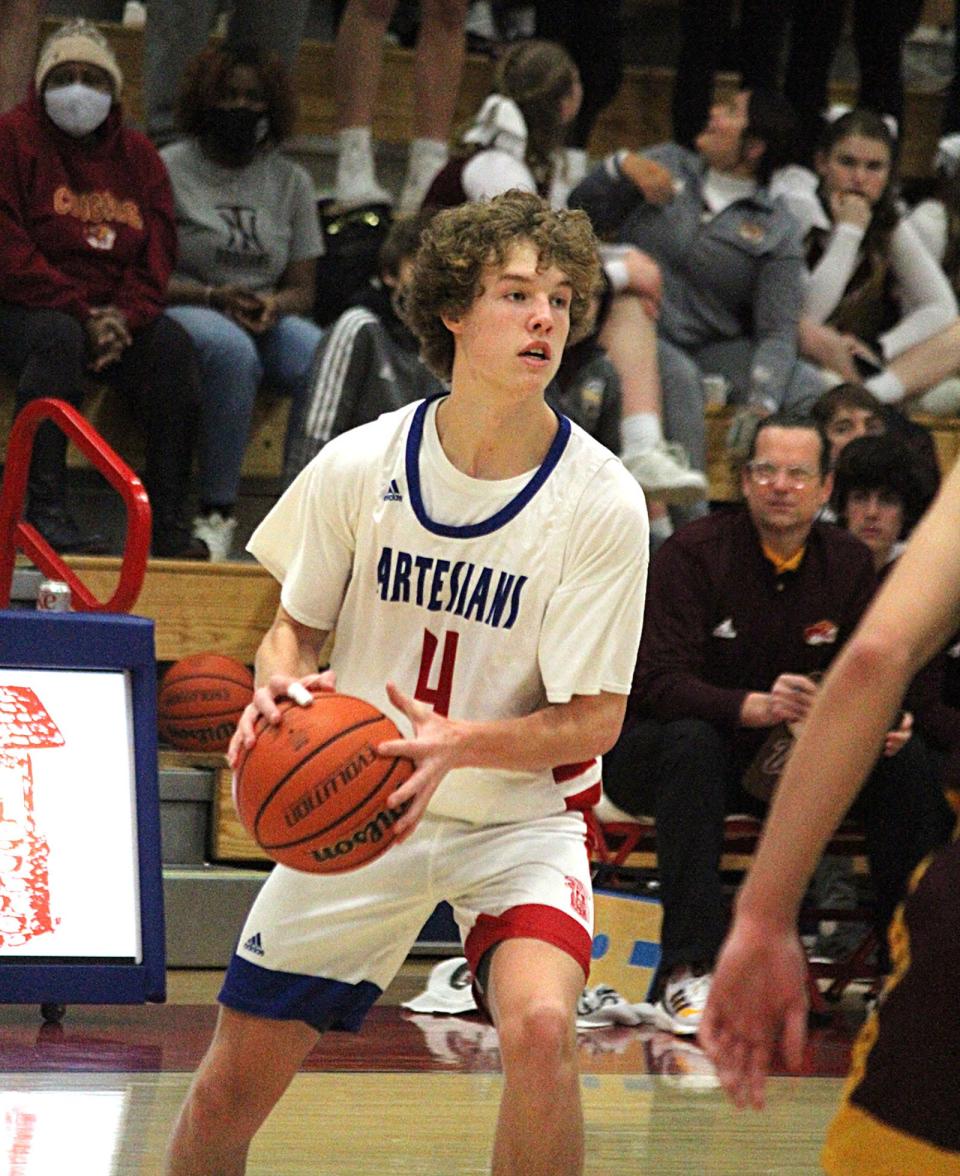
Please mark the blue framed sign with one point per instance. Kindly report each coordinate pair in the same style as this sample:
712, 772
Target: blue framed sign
81, 888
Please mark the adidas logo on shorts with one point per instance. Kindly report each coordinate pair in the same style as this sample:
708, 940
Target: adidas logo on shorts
253, 945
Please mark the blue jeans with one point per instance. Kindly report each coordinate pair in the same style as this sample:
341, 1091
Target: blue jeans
232, 364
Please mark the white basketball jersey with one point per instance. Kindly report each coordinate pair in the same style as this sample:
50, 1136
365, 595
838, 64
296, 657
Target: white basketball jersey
486, 599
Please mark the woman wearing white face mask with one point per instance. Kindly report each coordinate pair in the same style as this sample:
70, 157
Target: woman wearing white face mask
87, 244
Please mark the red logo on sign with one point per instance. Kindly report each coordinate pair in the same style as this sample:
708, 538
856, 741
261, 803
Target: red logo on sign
25, 726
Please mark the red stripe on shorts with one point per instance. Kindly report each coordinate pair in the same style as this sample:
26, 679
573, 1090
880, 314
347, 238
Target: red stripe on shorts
530, 921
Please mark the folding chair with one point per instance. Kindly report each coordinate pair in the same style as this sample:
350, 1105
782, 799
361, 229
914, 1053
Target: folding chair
624, 850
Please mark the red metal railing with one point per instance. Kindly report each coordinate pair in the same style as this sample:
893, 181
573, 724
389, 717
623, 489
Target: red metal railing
18, 535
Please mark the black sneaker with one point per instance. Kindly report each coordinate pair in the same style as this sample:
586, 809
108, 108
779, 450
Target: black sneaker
62, 532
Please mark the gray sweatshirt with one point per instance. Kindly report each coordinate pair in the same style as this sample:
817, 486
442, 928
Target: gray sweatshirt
737, 273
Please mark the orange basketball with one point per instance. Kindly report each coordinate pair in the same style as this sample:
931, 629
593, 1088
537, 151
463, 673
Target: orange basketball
312, 791
200, 699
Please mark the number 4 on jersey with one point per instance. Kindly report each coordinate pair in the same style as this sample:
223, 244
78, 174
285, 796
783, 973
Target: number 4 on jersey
437, 696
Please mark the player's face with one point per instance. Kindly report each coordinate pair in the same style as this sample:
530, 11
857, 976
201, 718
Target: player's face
782, 483
847, 424
512, 337
856, 164
876, 517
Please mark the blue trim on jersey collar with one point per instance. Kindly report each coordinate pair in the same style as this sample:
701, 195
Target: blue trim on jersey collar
506, 513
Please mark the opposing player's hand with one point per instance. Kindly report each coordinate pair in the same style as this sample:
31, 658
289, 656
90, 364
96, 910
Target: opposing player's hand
432, 749
757, 1006
264, 703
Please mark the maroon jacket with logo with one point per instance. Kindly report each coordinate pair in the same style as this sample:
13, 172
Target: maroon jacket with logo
83, 224
721, 623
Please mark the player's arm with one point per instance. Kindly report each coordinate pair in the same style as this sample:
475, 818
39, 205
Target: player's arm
758, 999
288, 653
559, 733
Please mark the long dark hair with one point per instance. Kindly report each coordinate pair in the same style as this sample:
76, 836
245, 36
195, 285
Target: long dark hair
536, 75
868, 289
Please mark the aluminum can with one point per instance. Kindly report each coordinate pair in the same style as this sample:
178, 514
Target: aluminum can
54, 596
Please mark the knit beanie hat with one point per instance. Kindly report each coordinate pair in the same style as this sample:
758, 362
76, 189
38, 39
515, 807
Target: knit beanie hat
78, 40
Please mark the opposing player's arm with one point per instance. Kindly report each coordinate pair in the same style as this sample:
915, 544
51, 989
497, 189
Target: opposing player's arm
757, 999
559, 733
289, 652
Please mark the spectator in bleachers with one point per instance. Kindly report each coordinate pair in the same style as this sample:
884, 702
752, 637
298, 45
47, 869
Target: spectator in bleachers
515, 141
878, 309
744, 610
438, 64
87, 243
176, 31
879, 495
369, 360
586, 387
19, 29
729, 256
846, 412
249, 239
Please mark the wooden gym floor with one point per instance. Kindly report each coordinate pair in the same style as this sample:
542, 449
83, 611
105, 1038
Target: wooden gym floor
410, 1094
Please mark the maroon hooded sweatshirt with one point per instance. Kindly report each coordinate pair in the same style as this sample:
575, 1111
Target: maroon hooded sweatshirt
83, 223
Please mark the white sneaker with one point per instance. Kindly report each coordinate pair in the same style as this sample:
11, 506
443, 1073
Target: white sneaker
356, 182
664, 472
602, 1006
427, 157
680, 1009
217, 533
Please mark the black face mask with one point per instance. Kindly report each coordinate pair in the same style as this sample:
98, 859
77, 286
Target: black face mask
236, 130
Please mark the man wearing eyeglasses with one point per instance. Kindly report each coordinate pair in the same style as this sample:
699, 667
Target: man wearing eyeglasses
745, 610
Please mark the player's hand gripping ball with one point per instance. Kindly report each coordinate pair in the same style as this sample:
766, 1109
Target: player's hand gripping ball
312, 791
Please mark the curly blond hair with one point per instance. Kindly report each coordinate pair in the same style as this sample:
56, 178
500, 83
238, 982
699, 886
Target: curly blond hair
460, 243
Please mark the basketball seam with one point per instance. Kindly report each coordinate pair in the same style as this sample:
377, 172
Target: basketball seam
167, 683
316, 751
231, 710
391, 767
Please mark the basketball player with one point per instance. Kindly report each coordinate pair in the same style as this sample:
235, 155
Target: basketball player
488, 558
901, 1106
